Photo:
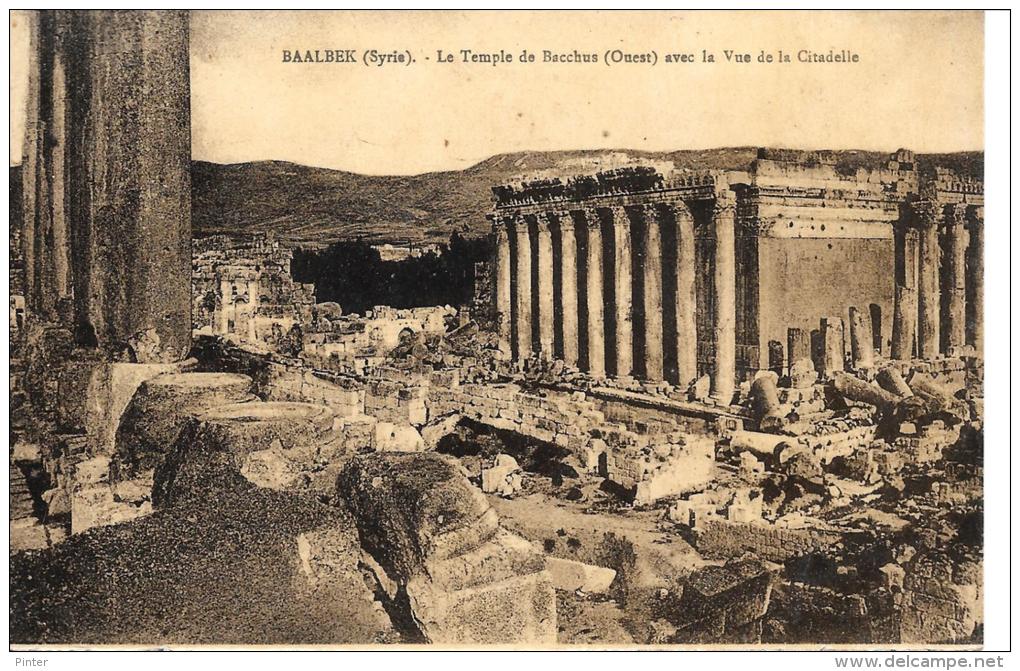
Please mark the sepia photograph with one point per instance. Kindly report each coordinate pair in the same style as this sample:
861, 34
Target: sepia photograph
499, 330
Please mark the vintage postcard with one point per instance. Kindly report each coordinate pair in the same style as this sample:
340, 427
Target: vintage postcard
497, 329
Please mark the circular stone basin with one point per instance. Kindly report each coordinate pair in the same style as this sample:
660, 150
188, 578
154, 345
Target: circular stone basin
272, 413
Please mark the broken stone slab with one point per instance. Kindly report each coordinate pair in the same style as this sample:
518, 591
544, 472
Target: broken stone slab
439, 428
575, 576
719, 602
431, 532
329, 560
159, 410
409, 506
98, 506
749, 464
520, 609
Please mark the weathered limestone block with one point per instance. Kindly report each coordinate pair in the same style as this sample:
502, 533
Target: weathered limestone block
111, 388
328, 562
503, 477
438, 428
160, 409
724, 604
652, 472
390, 437
573, 576
433, 533
100, 505
278, 445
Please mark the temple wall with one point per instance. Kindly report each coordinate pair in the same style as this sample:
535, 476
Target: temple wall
803, 280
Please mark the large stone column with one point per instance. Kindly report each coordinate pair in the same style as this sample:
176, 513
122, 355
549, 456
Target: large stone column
686, 299
956, 286
545, 287
652, 298
568, 287
596, 317
624, 277
226, 304
523, 238
46, 248
128, 186
928, 214
503, 309
905, 288
976, 278
723, 225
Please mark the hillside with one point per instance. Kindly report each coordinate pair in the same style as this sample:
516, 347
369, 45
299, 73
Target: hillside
313, 206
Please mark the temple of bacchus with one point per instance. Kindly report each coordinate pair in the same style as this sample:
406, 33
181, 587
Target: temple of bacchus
630, 273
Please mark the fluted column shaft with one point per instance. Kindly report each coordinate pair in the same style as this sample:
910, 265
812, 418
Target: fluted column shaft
596, 317
686, 299
905, 296
545, 287
652, 299
723, 224
568, 287
976, 278
928, 214
956, 285
523, 250
503, 308
624, 279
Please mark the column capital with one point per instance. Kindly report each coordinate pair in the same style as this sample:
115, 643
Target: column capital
956, 214
681, 209
976, 215
725, 205
926, 213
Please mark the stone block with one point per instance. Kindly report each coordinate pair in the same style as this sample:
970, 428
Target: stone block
571, 576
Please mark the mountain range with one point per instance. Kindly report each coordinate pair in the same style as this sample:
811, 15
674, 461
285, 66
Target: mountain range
314, 206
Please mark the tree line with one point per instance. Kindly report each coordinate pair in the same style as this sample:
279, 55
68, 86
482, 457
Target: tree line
353, 274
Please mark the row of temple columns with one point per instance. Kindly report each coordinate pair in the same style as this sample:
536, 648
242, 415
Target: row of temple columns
580, 302
939, 292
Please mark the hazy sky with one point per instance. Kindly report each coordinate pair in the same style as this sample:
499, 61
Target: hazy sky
918, 85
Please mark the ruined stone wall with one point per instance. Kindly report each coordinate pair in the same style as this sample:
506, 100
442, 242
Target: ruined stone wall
718, 537
243, 286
